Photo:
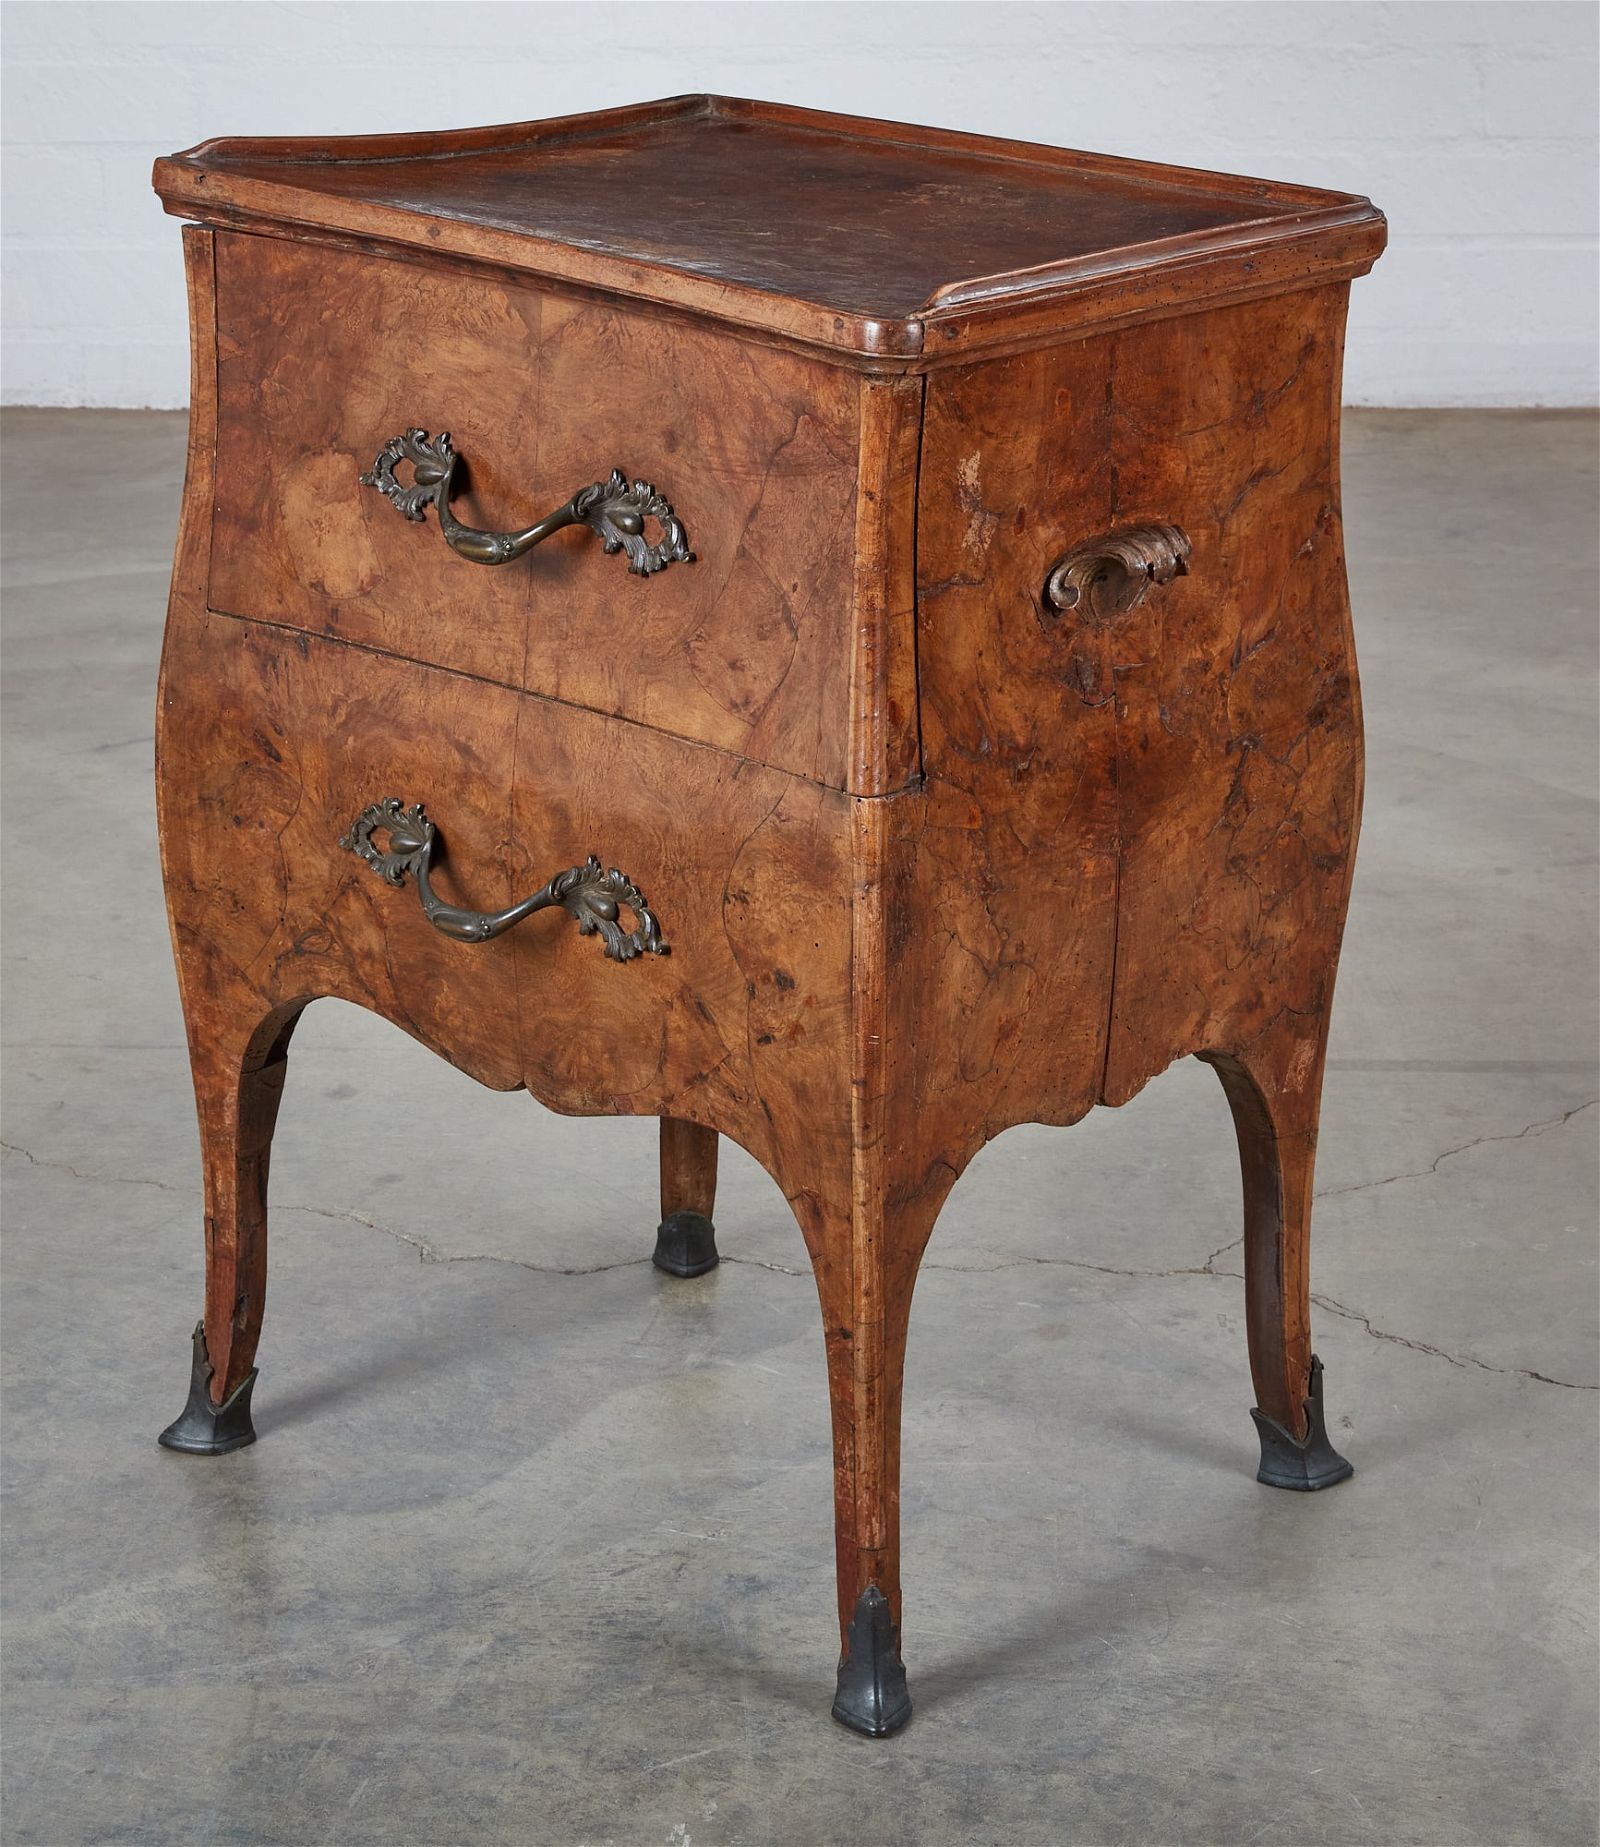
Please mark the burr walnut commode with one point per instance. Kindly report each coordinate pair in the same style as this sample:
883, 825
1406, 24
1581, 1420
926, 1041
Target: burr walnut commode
941, 638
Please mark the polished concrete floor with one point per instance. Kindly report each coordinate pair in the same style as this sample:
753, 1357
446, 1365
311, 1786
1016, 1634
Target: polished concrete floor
535, 1546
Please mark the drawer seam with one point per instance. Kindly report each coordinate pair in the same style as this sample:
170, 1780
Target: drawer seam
571, 705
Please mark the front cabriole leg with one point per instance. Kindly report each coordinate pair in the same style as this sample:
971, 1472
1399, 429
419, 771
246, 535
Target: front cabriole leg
865, 1228
867, 1220
238, 1083
1274, 1089
866, 1306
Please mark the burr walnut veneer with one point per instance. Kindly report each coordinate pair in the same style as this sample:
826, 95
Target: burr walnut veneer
911, 563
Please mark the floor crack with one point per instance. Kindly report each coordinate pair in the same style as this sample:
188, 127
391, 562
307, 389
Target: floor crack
1102, 1269
1067, 1263
760, 1263
430, 1253
1463, 1360
1478, 1141
78, 1173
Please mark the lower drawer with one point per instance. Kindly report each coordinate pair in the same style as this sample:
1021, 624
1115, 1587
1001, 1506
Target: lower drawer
272, 745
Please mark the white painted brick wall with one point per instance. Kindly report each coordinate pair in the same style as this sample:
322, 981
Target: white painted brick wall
1472, 125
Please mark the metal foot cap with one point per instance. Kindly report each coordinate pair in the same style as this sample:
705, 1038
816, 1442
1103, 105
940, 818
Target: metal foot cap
872, 1697
686, 1244
1286, 1462
207, 1429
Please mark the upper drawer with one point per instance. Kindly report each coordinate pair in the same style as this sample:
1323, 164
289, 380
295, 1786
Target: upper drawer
324, 355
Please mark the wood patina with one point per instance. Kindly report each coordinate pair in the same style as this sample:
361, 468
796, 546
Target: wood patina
998, 744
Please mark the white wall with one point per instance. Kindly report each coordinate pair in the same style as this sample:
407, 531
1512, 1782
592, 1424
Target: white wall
1472, 125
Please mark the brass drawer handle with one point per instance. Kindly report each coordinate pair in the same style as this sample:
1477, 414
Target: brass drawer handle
613, 509
591, 893
1111, 574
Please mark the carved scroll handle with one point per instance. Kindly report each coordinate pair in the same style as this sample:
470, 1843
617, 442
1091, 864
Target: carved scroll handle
612, 509
591, 893
1114, 573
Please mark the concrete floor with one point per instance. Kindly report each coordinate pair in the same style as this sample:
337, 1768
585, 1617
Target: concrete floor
535, 1546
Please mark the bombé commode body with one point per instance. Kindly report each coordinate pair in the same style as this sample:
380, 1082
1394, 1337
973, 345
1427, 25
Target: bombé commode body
928, 707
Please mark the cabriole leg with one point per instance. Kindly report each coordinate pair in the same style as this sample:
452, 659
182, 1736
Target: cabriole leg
1274, 1090
866, 1364
237, 1095
866, 1262
686, 1240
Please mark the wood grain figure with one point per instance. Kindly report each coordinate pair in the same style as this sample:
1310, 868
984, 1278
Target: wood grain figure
998, 744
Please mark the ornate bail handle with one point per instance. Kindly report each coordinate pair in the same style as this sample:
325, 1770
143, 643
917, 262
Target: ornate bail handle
1109, 575
591, 893
613, 509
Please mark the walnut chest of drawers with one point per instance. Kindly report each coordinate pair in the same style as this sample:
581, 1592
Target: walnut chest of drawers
828, 633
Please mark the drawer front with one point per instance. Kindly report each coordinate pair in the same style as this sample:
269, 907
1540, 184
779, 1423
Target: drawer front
273, 746
323, 356
268, 745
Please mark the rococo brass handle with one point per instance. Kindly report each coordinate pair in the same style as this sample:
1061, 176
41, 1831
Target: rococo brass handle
1109, 575
591, 893
613, 509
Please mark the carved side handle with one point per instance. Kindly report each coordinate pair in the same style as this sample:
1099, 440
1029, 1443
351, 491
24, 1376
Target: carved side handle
591, 893
1109, 575
611, 508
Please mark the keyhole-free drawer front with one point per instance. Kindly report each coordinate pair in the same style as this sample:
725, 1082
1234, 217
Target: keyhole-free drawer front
325, 356
295, 770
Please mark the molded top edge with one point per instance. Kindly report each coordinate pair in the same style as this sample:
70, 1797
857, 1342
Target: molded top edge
845, 232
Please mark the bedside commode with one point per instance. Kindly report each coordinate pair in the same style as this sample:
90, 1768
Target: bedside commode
828, 633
